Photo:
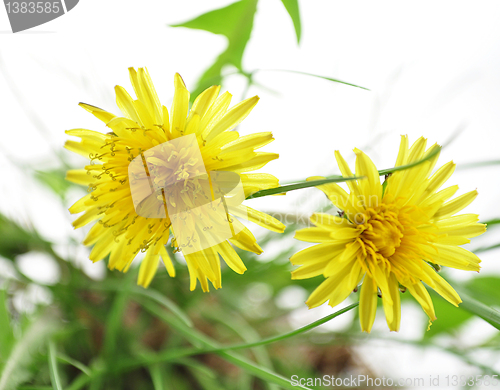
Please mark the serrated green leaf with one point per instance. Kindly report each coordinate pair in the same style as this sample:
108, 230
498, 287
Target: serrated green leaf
235, 22
292, 7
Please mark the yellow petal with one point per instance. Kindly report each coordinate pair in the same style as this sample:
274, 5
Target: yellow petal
346, 172
403, 151
99, 113
180, 106
148, 268
167, 261
204, 101
251, 141
79, 176
455, 205
443, 288
367, 304
420, 293
126, 104
231, 257
231, 119
392, 311
313, 234
89, 216
317, 253
371, 189
79, 205
215, 112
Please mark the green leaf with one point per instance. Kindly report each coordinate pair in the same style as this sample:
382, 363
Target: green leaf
54, 374
292, 7
298, 186
235, 22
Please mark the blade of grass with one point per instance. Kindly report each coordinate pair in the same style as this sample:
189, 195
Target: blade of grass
174, 354
164, 301
149, 293
310, 74
479, 164
491, 222
430, 155
156, 376
81, 381
21, 353
487, 313
75, 363
285, 336
338, 179
486, 248
237, 323
194, 336
54, 374
6, 333
298, 186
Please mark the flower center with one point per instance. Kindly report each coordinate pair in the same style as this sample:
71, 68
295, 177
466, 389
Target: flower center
382, 231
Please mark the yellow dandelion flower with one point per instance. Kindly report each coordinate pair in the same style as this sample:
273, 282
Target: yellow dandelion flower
157, 174
392, 237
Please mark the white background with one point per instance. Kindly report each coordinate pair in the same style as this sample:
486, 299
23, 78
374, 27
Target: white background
432, 68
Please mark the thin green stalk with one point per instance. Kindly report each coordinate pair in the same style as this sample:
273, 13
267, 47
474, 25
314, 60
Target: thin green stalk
310, 74
81, 381
299, 186
198, 338
337, 179
54, 373
434, 152
172, 355
66, 359
285, 336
